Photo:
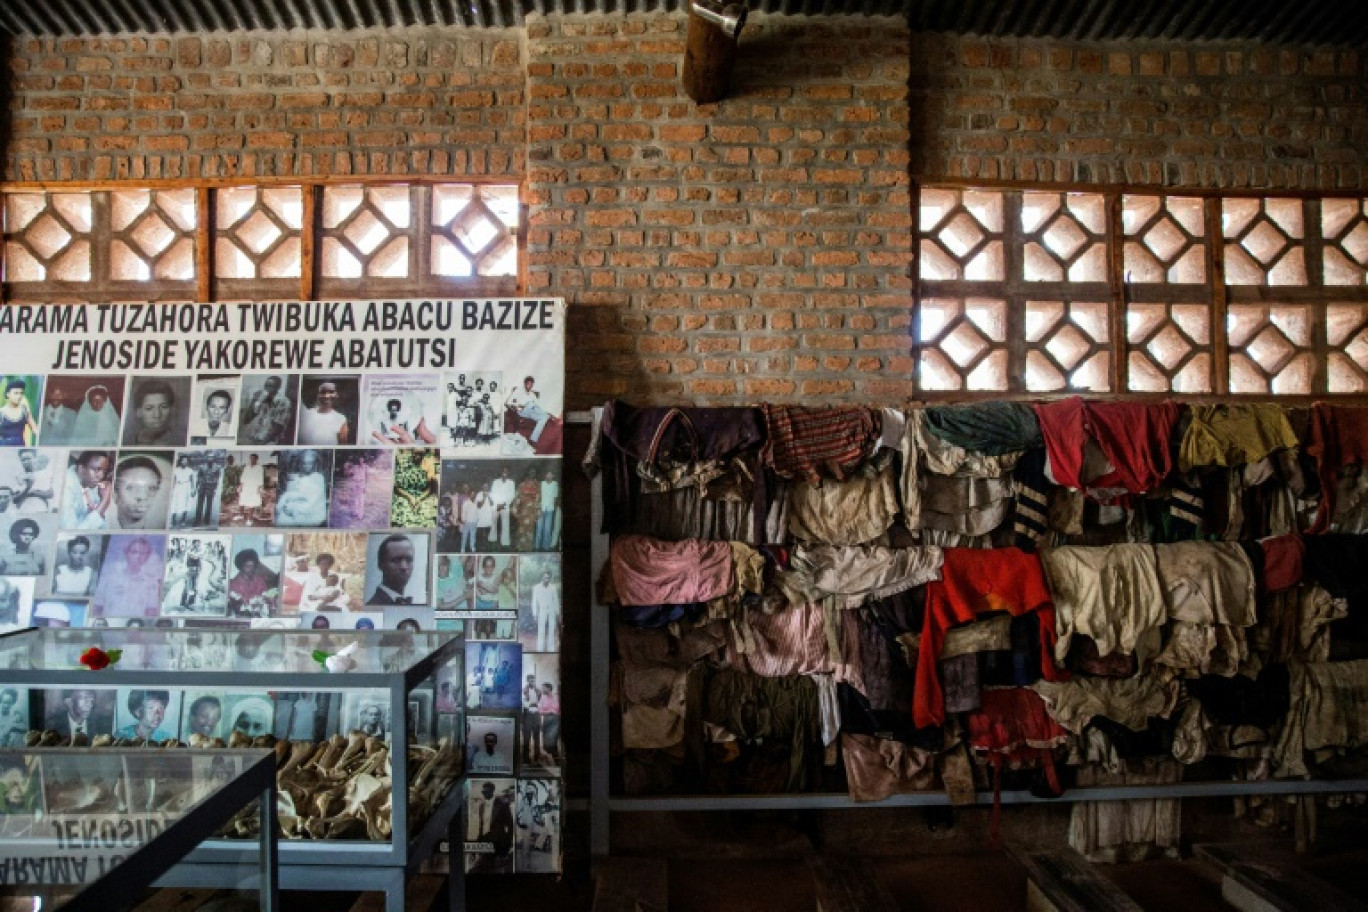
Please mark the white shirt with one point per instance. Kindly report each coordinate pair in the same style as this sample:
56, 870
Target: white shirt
550, 491
503, 490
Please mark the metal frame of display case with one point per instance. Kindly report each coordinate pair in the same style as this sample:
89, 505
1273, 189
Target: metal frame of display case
603, 803
158, 862
323, 865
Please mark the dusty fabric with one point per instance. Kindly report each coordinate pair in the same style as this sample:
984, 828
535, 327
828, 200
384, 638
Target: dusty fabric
653, 679
806, 443
1128, 701
1132, 439
1193, 649
854, 574
1328, 700
1294, 624
687, 513
870, 660
1339, 437
974, 583
991, 428
992, 634
850, 512
1351, 501
877, 768
928, 460
748, 565
1112, 594
965, 506
791, 641
1083, 657
1229, 435
648, 571
1207, 582
1111, 831
776, 712
631, 435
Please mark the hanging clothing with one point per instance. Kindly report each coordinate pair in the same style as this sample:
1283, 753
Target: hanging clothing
941, 481
1327, 701
1132, 440
807, 443
990, 428
1339, 437
631, 435
1131, 702
854, 574
648, 571
978, 582
1232, 435
790, 641
851, 512
1112, 594
1282, 562
879, 767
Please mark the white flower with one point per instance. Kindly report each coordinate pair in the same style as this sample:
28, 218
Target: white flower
342, 660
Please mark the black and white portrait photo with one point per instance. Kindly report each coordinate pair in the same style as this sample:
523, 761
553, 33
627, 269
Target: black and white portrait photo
31, 480
401, 410
266, 410
490, 826
214, 410
82, 411
302, 496
158, 412
196, 575
198, 489
77, 561
397, 569
328, 409
539, 827
366, 711
142, 490
489, 745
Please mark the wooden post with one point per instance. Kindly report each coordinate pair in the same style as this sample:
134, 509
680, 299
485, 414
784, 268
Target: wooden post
710, 51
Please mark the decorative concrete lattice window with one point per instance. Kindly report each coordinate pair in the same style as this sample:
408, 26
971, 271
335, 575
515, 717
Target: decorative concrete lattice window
1146, 293
268, 241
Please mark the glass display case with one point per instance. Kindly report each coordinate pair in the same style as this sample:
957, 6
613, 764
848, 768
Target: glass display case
92, 830
385, 721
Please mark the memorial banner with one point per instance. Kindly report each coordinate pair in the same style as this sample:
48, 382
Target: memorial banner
329, 465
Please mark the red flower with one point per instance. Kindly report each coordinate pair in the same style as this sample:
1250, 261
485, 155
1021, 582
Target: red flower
95, 658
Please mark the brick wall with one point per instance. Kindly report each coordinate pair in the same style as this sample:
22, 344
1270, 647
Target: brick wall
1193, 115
416, 101
759, 248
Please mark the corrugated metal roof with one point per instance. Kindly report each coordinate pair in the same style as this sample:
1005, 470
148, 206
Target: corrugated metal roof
1342, 22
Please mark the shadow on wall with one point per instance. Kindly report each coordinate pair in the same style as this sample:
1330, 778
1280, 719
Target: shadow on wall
7, 42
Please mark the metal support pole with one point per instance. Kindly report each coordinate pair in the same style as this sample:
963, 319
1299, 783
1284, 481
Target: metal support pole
598, 683
269, 858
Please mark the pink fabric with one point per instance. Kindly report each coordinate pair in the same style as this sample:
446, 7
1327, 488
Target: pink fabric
648, 571
789, 642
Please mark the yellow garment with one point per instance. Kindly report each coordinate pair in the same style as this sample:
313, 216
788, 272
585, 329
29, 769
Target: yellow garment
1229, 435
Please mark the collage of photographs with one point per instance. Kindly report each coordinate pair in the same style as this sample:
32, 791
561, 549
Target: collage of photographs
227, 503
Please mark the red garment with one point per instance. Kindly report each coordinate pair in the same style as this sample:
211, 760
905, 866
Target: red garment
1282, 565
977, 581
804, 442
1339, 437
1133, 436
1012, 721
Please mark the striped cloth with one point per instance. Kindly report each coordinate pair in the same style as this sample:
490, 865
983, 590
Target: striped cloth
805, 443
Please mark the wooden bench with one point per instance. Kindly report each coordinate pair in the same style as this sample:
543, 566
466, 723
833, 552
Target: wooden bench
1061, 880
849, 885
631, 885
1258, 879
